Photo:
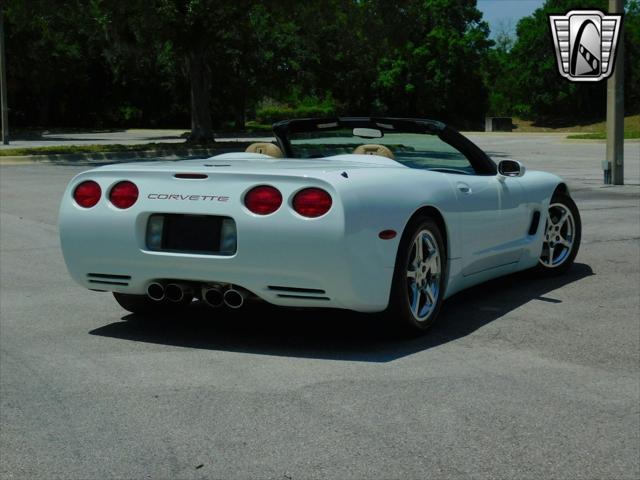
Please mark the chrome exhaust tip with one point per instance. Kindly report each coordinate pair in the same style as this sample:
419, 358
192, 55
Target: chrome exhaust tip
155, 291
233, 298
175, 292
213, 296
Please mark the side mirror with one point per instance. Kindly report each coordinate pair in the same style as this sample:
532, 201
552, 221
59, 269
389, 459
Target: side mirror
510, 168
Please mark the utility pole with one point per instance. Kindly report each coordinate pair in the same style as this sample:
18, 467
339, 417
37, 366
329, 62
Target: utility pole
615, 107
3, 84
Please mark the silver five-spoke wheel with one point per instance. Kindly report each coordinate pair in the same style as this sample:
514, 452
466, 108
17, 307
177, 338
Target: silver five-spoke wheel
423, 276
560, 234
420, 276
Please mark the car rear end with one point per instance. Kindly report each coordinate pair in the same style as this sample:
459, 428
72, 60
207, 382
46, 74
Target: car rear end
277, 234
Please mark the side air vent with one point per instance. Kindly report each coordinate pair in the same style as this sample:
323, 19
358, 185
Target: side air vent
305, 297
299, 292
535, 221
109, 279
295, 289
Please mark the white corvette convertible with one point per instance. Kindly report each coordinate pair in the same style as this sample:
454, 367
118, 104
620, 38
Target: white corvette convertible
366, 214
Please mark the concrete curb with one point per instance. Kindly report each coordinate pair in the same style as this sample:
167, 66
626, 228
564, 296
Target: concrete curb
113, 157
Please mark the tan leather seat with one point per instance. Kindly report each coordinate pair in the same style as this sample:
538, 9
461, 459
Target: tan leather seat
265, 148
374, 149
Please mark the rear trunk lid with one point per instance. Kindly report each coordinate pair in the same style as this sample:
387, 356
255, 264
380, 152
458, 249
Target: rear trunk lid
218, 185
237, 163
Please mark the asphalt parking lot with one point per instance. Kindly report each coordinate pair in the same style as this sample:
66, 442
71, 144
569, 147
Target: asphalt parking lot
522, 377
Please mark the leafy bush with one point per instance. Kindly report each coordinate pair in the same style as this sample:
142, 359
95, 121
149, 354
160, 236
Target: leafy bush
270, 111
125, 115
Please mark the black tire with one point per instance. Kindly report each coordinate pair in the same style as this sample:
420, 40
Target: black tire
402, 290
144, 305
570, 229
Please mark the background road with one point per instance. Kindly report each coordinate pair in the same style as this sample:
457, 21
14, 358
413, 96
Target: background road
132, 136
521, 377
99, 137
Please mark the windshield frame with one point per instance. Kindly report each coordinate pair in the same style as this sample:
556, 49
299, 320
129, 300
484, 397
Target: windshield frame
479, 160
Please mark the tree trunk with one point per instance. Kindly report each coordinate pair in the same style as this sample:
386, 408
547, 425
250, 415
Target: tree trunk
200, 80
239, 116
45, 108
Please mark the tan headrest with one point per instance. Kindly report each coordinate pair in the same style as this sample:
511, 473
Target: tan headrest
374, 149
265, 148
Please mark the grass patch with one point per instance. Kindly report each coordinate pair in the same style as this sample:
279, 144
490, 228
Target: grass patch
628, 135
631, 123
253, 126
118, 148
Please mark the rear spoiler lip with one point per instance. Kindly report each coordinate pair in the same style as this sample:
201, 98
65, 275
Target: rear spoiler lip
146, 179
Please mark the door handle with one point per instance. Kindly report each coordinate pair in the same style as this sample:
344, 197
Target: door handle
464, 188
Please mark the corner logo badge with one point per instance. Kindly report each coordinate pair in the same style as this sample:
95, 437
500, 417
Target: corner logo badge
585, 42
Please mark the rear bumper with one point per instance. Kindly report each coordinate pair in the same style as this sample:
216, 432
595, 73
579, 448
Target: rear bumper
311, 263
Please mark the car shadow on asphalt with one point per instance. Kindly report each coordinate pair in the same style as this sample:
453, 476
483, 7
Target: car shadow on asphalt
336, 334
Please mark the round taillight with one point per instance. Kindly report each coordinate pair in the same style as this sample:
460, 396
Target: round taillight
263, 200
123, 194
87, 194
312, 202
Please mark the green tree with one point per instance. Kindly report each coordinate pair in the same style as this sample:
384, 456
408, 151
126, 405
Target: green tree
136, 33
410, 57
53, 60
204, 38
433, 59
231, 52
329, 53
261, 60
497, 62
62, 71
